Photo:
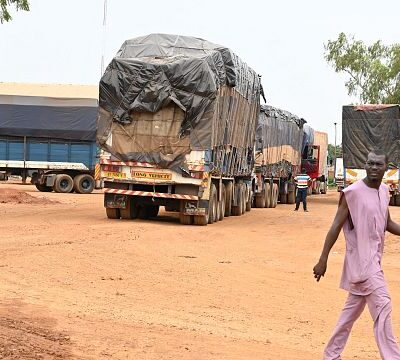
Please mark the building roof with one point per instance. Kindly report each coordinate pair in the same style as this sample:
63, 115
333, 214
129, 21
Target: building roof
50, 90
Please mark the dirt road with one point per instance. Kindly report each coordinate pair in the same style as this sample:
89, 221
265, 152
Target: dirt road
75, 285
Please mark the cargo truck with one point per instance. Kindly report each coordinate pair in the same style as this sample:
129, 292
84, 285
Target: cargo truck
177, 116
367, 127
279, 140
50, 140
314, 160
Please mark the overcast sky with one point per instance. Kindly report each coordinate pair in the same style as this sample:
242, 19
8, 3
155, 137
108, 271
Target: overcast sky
62, 42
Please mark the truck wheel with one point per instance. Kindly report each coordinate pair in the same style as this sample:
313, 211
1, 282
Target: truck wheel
260, 199
237, 210
63, 183
44, 188
112, 213
153, 210
283, 198
244, 198
250, 200
397, 200
291, 197
131, 211
200, 220
212, 205
83, 183
222, 203
184, 219
228, 198
274, 197
267, 195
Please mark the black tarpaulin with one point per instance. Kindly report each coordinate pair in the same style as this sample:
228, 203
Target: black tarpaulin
58, 118
160, 73
367, 127
279, 139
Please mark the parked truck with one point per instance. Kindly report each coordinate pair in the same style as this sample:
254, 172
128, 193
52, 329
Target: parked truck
177, 116
369, 126
279, 139
314, 160
50, 140
339, 174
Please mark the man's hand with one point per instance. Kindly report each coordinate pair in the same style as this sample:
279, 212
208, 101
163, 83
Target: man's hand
320, 269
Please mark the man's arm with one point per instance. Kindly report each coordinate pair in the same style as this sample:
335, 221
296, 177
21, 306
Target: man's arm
333, 233
391, 226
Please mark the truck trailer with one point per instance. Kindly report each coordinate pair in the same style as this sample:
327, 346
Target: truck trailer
279, 139
50, 140
177, 116
367, 127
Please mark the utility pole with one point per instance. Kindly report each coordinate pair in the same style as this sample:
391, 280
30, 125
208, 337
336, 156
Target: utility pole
104, 36
334, 156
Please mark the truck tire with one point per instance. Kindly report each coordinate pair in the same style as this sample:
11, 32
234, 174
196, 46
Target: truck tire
228, 198
131, 210
237, 210
291, 197
142, 212
267, 195
260, 199
250, 200
244, 198
200, 220
83, 184
274, 197
283, 198
397, 200
153, 210
212, 205
222, 203
113, 213
63, 183
184, 219
43, 188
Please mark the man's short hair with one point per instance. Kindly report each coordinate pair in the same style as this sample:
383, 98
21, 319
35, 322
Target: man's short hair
380, 152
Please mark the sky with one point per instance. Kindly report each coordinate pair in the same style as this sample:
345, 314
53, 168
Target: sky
63, 42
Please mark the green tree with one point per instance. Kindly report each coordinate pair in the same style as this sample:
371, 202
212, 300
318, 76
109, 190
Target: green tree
5, 4
374, 71
331, 153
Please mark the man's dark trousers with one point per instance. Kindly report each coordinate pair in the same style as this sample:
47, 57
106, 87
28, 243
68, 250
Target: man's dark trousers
301, 197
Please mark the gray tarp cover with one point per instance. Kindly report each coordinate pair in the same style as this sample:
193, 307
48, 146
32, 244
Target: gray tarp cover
367, 127
152, 72
56, 118
279, 131
308, 137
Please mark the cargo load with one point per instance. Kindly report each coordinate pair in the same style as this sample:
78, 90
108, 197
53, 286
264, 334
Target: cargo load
164, 96
177, 117
51, 140
365, 127
279, 139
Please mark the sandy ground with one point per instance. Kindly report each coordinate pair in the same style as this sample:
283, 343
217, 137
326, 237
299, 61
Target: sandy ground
75, 285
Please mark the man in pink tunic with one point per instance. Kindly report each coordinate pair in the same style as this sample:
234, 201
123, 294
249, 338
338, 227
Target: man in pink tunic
364, 215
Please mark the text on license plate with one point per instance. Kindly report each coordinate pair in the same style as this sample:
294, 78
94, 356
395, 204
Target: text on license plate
115, 175
151, 175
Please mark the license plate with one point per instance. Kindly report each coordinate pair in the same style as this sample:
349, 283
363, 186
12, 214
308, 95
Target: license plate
195, 211
115, 175
151, 175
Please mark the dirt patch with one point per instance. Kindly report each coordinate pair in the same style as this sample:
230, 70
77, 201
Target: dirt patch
15, 196
27, 336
